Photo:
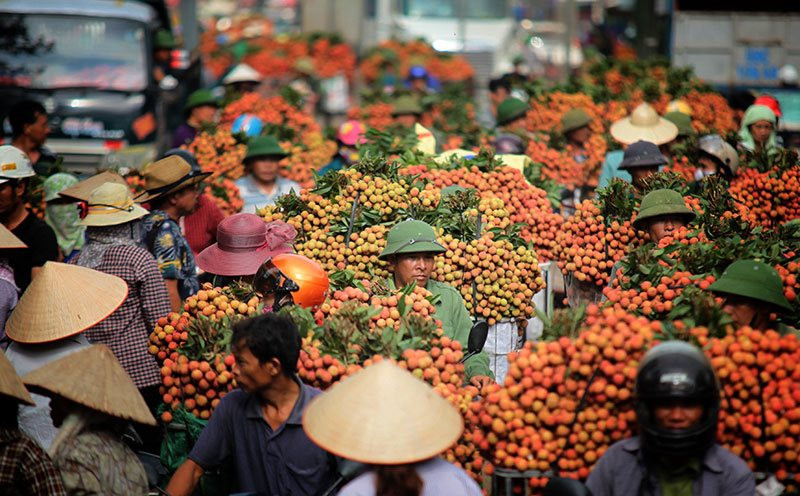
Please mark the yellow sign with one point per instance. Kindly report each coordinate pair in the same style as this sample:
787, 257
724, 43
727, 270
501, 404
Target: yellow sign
9, 166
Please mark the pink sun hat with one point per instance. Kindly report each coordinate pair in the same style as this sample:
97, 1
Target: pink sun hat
351, 133
244, 242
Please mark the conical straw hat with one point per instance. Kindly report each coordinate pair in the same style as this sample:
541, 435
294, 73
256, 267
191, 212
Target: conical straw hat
644, 124
64, 300
10, 383
94, 378
83, 189
9, 240
382, 415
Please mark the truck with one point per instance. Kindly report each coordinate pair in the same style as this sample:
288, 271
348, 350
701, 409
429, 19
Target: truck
90, 63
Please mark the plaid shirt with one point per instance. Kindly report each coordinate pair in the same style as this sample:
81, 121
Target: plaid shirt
25, 468
127, 330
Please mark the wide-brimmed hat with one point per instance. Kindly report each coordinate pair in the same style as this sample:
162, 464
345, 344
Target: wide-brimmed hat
64, 300
242, 73
574, 119
82, 190
9, 240
755, 280
244, 243
264, 146
10, 383
406, 105
382, 415
166, 176
92, 377
411, 236
662, 202
111, 204
642, 154
352, 133
201, 97
645, 124
510, 109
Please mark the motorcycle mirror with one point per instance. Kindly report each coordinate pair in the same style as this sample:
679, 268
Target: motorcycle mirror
477, 337
559, 486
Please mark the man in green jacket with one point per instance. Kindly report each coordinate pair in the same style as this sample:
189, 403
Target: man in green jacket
410, 251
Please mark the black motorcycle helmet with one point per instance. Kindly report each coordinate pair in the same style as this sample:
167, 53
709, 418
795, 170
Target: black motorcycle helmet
676, 370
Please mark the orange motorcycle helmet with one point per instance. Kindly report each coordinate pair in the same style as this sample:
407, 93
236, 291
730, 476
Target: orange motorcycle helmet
294, 279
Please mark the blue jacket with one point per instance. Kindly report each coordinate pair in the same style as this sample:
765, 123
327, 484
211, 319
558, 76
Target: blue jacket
622, 471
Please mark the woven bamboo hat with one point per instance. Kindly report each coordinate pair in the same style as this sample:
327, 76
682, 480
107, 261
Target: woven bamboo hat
9, 240
93, 378
382, 415
10, 383
64, 300
644, 124
83, 189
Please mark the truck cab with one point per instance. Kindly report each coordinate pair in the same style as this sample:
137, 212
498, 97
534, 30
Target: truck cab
90, 63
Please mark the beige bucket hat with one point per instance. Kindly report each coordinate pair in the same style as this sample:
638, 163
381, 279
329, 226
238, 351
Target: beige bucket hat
112, 204
644, 124
64, 300
9, 240
166, 176
382, 415
93, 378
10, 383
83, 189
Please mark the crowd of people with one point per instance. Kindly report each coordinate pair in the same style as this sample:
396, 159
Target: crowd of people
82, 288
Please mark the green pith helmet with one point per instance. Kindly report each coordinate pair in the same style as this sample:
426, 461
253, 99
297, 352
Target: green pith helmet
662, 202
405, 105
683, 121
574, 119
752, 279
200, 97
411, 236
510, 109
264, 146
164, 40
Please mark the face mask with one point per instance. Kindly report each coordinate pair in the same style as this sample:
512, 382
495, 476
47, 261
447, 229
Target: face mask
701, 173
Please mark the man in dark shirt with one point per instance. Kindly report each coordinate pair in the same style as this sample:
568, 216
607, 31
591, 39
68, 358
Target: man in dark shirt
15, 169
260, 424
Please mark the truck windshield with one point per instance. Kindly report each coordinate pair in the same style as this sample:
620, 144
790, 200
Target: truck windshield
67, 51
474, 9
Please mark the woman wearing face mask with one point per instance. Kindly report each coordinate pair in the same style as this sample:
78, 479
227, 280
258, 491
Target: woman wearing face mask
62, 215
715, 156
758, 130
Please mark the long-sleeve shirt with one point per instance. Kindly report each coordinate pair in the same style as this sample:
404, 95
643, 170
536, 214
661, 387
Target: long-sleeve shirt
25, 469
127, 330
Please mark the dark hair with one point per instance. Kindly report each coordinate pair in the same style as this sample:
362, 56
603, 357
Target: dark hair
22, 114
397, 480
500, 83
269, 336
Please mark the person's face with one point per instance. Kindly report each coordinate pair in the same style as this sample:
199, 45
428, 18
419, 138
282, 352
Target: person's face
412, 268
204, 114
497, 97
161, 55
760, 130
250, 374
580, 135
186, 200
664, 225
743, 311
10, 194
38, 130
265, 169
639, 174
678, 415
419, 84
707, 165
406, 120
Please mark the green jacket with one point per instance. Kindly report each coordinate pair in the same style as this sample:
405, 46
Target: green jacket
456, 323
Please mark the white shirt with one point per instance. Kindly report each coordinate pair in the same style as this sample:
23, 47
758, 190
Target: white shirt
35, 421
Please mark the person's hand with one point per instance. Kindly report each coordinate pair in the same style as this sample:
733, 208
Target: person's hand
481, 381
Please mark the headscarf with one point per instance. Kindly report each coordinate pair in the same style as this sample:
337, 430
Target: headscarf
64, 218
99, 239
753, 114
